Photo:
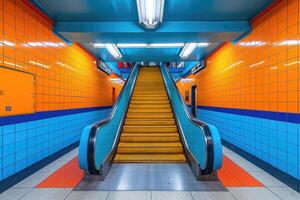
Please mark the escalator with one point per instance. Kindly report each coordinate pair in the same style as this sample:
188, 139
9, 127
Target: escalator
150, 133
150, 123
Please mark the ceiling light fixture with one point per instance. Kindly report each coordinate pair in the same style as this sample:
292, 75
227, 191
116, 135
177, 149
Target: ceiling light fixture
150, 12
98, 45
140, 45
166, 45
113, 50
187, 50
203, 44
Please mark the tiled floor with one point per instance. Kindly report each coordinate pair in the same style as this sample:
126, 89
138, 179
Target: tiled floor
273, 190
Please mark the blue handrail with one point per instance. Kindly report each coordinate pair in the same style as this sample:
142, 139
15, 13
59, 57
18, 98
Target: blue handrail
99, 141
201, 141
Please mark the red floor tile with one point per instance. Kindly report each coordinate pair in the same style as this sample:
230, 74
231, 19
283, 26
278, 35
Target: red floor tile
70, 175
67, 176
232, 175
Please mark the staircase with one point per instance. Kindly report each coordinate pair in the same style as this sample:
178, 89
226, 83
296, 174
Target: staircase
150, 133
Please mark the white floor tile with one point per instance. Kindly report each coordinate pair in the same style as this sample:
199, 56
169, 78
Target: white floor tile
130, 195
248, 166
47, 194
52, 167
87, 195
232, 156
33, 180
267, 179
69, 156
253, 193
176, 195
212, 196
14, 194
285, 193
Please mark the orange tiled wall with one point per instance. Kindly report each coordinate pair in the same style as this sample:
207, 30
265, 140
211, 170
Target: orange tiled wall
262, 71
66, 76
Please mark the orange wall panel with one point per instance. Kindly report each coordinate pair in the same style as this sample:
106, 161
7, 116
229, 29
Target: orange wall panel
16, 92
261, 72
66, 76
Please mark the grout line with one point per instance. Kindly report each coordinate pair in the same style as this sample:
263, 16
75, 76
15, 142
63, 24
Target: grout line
232, 195
25, 194
192, 195
274, 193
192, 198
108, 192
68, 194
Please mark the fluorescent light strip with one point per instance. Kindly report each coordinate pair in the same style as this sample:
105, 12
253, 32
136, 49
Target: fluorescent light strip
203, 44
166, 45
98, 45
113, 50
140, 45
150, 12
187, 50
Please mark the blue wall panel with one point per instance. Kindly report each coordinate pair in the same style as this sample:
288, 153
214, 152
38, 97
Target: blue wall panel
275, 142
23, 144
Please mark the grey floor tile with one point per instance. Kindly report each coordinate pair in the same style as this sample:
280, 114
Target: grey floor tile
53, 166
249, 167
69, 156
232, 156
267, 179
253, 193
129, 195
87, 195
176, 195
285, 193
47, 194
14, 194
212, 196
225, 150
33, 180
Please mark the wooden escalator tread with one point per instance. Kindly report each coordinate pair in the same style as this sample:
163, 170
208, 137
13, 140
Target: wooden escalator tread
150, 133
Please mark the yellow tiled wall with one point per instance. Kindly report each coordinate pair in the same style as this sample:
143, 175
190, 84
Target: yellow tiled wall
66, 76
262, 71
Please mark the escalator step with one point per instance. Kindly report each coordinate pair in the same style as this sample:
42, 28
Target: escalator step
154, 122
150, 116
149, 110
154, 158
155, 137
150, 129
150, 133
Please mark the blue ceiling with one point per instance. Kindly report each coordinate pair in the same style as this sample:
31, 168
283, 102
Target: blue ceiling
157, 54
175, 10
116, 21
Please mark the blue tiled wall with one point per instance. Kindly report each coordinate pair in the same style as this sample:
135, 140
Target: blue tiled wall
23, 144
275, 142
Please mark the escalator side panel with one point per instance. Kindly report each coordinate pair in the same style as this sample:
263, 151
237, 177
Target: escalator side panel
99, 141
202, 141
